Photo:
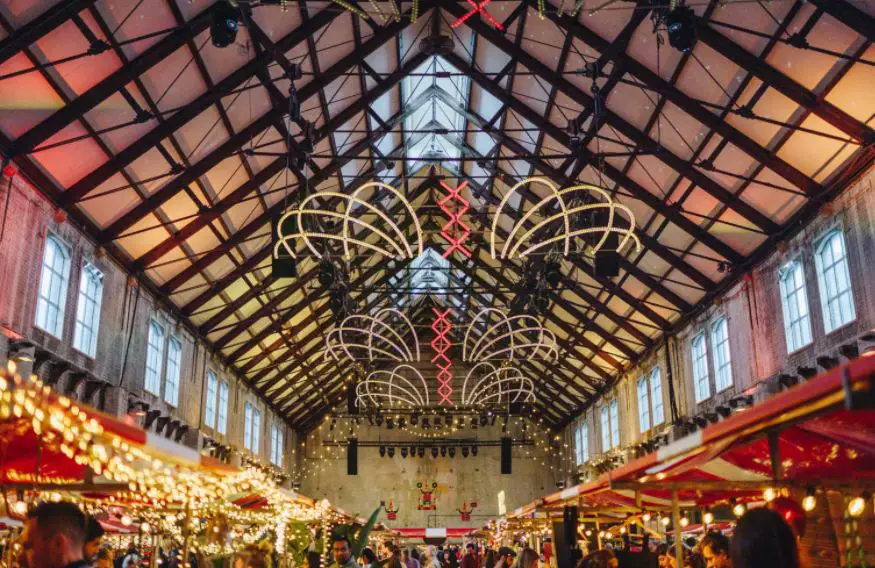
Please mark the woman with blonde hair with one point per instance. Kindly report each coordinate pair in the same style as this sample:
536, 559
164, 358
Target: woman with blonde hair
527, 558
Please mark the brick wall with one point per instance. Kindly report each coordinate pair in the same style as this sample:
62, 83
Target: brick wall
126, 310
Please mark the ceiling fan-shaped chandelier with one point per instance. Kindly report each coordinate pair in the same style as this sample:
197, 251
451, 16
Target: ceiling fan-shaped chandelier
362, 337
496, 385
397, 387
583, 211
334, 217
493, 335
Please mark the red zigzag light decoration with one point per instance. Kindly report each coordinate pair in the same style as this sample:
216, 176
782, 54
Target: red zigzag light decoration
478, 8
441, 344
456, 232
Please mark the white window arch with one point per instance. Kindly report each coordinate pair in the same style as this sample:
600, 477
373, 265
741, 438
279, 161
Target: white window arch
701, 384
88, 310
656, 401
52, 298
643, 404
794, 304
834, 281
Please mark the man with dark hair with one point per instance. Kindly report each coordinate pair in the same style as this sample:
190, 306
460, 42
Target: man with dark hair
505, 557
470, 558
93, 538
342, 549
55, 536
715, 550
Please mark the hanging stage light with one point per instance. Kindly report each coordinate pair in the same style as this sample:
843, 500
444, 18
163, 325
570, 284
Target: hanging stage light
425, 424
434, 452
382, 451
390, 424
553, 274
443, 451
412, 451
391, 451
420, 451
452, 451
404, 452
681, 25
809, 503
464, 451
223, 25
483, 420
327, 273
473, 450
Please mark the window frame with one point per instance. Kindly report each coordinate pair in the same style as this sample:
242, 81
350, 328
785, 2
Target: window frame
159, 359
46, 288
702, 359
655, 378
605, 422
581, 442
721, 353
802, 323
222, 407
210, 399
277, 440
175, 383
829, 326
614, 417
642, 387
83, 302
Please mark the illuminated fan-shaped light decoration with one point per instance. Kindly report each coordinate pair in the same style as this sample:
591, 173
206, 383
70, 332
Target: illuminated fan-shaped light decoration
321, 209
487, 384
492, 335
583, 210
393, 388
367, 338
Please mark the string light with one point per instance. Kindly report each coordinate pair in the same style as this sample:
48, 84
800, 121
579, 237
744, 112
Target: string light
595, 198
497, 383
708, 517
809, 502
739, 509
769, 495
380, 384
374, 336
857, 505
514, 331
455, 231
441, 327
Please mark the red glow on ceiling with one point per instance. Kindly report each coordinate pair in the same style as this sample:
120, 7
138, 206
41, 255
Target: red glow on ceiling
456, 232
478, 8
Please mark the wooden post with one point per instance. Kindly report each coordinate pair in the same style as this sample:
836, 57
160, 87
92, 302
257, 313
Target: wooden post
186, 535
676, 522
598, 533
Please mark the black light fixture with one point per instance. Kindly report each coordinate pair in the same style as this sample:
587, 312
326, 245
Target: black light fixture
434, 452
412, 451
414, 419
327, 273
483, 420
402, 423
464, 451
382, 451
420, 451
473, 450
553, 274
379, 419
443, 451
224, 24
391, 451
404, 452
425, 423
681, 26
452, 451
390, 424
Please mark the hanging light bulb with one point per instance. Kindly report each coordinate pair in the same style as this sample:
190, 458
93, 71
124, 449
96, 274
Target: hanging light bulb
809, 502
622, 530
601, 534
19, 508
126, 520
646, 517
588, 533
665, 521
708, 517
739, 509
145, 527
857, 505
769, 495
684, 522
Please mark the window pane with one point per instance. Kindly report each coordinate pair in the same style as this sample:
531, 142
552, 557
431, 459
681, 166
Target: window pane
154, 357
833, 277
52, 298
606, 430
210, 407
643, 405
700, 369
656, 397
256, 431
171, 378
222, 425
615, 425
722, 360
794, 303
247, 426
88, 310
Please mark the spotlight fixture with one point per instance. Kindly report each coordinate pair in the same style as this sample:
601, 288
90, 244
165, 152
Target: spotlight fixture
390, 424
224, 24
425, 424
420, 451
412, 451
681, 25
382, 451
327, 273
434, 452
553, 273
738, 509
708, 518
379, 419
443, 451
483, 420
402, 423
473, 450
665, 521
391, 451
769, 495
404, 452
452, 451
414, 419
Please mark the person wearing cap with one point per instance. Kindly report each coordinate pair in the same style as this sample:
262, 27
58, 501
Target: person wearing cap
505, 557
93, 538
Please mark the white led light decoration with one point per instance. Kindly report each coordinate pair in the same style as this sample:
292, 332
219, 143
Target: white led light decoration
508, 338
392, 242
367, 338
496, 385
521, 242
393, 388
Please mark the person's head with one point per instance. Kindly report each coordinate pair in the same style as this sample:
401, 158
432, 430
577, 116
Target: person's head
506, 556
405, 554
93, 537
469, 548
763, 539
715, 550
663, 556
414, 553
601, 559
104, 558
368, 557
385, 548
342, 550
528, 558
394, 562
55, 535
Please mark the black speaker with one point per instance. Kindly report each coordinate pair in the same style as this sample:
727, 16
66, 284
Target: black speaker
569, 526
351, 407
506, 456
607, 260
352, 456
283, 265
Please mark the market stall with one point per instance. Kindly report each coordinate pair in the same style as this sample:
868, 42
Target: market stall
811, 445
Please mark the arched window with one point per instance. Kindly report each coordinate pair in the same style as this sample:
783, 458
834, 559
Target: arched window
88, 310
794, 304
643, 404
722, 358
701, 386
52, 298
834, 281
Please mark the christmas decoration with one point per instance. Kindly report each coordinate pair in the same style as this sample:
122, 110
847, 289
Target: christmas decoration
426, 496
466, 510
441, 344
391, 510
478, 8
455, 231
